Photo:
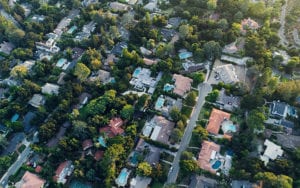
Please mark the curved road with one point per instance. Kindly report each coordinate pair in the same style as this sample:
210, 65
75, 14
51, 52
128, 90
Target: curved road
203, 89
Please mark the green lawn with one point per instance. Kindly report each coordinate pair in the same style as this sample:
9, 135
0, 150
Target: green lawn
186, 110
157, 185
205, 112
167, 157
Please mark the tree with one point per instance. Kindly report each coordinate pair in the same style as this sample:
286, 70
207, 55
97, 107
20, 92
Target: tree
176, 135
190, 99
188, 166
250, 102
144, 169
185, 31
16, 36
3, 141
212, 50
271, 180
81, 71
255, 120
19, 72
80, 129
212, 96
211, 4
186, 155
199, 134
91, 174
127, 112
175, 114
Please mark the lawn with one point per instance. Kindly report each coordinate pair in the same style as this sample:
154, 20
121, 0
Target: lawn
205, 112
21, 148
157, 185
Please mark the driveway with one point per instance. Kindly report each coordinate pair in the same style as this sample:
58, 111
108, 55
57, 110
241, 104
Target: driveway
17, 138
204, 89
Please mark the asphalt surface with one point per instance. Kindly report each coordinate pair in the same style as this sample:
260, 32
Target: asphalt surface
203, 89
16, 165
283, 41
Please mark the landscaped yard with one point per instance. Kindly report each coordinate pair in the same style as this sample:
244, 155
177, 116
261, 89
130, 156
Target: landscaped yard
205, 112
167, 157
186, 110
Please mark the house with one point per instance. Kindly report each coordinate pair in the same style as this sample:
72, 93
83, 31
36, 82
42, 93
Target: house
158, 129
61, 77
6, 47
279, 109
87, 144
207, 155
150, 62
228, 102
182, 84
272, 152
243, 184
88, 2
167, 34
145, 51
116, 6
202, 182
83, 98
165, 104
113, 128
190, 66
29, 116
77, 53
98, 155
37, 100
3, 129
140, 182
101, 75
64, 170
174, 22
226, 73
37, 18
217, 117
248, 24
48, 46
235, 60
30, 180
141, 80
153, 153
86, 31
118, 48
50, 89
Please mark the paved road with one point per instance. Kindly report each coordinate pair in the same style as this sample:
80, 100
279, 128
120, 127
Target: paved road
283, 41
204, 89
17, 164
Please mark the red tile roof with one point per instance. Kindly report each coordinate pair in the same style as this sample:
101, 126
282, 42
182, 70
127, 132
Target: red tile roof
98, 155
215, 120
87, 144
206, 153
182, 84
59, 170
38, 169
30, 180
114, 127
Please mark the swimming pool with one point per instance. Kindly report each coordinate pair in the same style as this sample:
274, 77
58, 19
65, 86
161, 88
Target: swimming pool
229, 128
168, 87
14, 118
61, 62
159, 103
185, 55
136, 72
101, 141
72, 29
216, 165
134, 158
122, 178
78, 184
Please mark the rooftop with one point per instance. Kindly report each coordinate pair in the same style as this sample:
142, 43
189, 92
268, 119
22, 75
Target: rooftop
272, 152
30, 180
50, 89
86, 144
113, 128
279, 108
202, 182
248, 24
215, 120
227, 73
64, 169
116, 6
207, 153
182, 84
37, 100
98, 155
140, 182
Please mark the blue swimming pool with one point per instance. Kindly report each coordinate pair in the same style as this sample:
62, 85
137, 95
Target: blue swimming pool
134, 158
168, 87
136, 72
72, 29
79, 184
159, 103
101, 141
122, 178
229, 128
14, 118
216, 165
61, 62
185, 55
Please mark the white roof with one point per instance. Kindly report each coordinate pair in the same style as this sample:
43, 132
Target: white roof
147, 130
272, 151
50, 89
155, 132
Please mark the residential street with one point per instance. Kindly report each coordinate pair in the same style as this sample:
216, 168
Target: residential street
17, 164
204, 89
283, 41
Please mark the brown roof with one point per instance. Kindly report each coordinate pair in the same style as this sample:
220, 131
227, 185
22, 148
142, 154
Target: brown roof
182, 84
38, 169
59, 170
98, 155
30, 180
215, 120
113, 128
87, 144
205, 155
149, 61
